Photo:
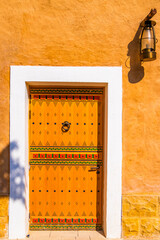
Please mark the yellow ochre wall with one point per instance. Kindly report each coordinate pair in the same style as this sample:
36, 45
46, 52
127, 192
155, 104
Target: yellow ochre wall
92, 33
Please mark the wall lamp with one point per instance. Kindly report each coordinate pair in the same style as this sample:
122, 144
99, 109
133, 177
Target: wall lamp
148, 38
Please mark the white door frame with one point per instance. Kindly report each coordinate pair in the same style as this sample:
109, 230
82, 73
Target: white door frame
20, 79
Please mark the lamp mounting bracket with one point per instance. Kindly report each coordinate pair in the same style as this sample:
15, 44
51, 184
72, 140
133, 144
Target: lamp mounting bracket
149, 16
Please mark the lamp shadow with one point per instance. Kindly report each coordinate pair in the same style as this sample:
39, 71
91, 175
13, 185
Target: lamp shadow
10, 169
136, 72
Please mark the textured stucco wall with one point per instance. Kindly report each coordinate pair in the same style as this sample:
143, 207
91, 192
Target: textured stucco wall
89, 33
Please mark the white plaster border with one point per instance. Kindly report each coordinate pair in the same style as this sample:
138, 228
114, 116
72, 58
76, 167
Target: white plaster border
20, 77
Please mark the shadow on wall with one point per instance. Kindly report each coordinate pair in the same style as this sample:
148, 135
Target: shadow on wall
16, 173
136, 72
4, 172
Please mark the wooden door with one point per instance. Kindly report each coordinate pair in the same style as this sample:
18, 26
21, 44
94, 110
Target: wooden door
66, 159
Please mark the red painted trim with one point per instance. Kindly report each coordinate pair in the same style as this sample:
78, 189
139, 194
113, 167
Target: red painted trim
76, 97
75, 220
90, 97
82, 220
88, 220
56, 97
42, 220
63, 220
35, 220
68, 220
96, 98
49, 96
55, 220
48, 220
83, 97
42, 96
36, 96
70, 97
83, 156
63, 97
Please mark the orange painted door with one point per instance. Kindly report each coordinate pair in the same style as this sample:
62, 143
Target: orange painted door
66, 158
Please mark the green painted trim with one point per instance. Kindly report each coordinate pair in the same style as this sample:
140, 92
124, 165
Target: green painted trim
64, 227
51, 162
71, 90
65, 149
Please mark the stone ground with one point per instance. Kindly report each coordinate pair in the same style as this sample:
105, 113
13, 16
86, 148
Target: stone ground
66, 235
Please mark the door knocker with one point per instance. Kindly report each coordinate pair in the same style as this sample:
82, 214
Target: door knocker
65, 126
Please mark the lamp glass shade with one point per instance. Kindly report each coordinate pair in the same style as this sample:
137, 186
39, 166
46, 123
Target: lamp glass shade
147, 41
